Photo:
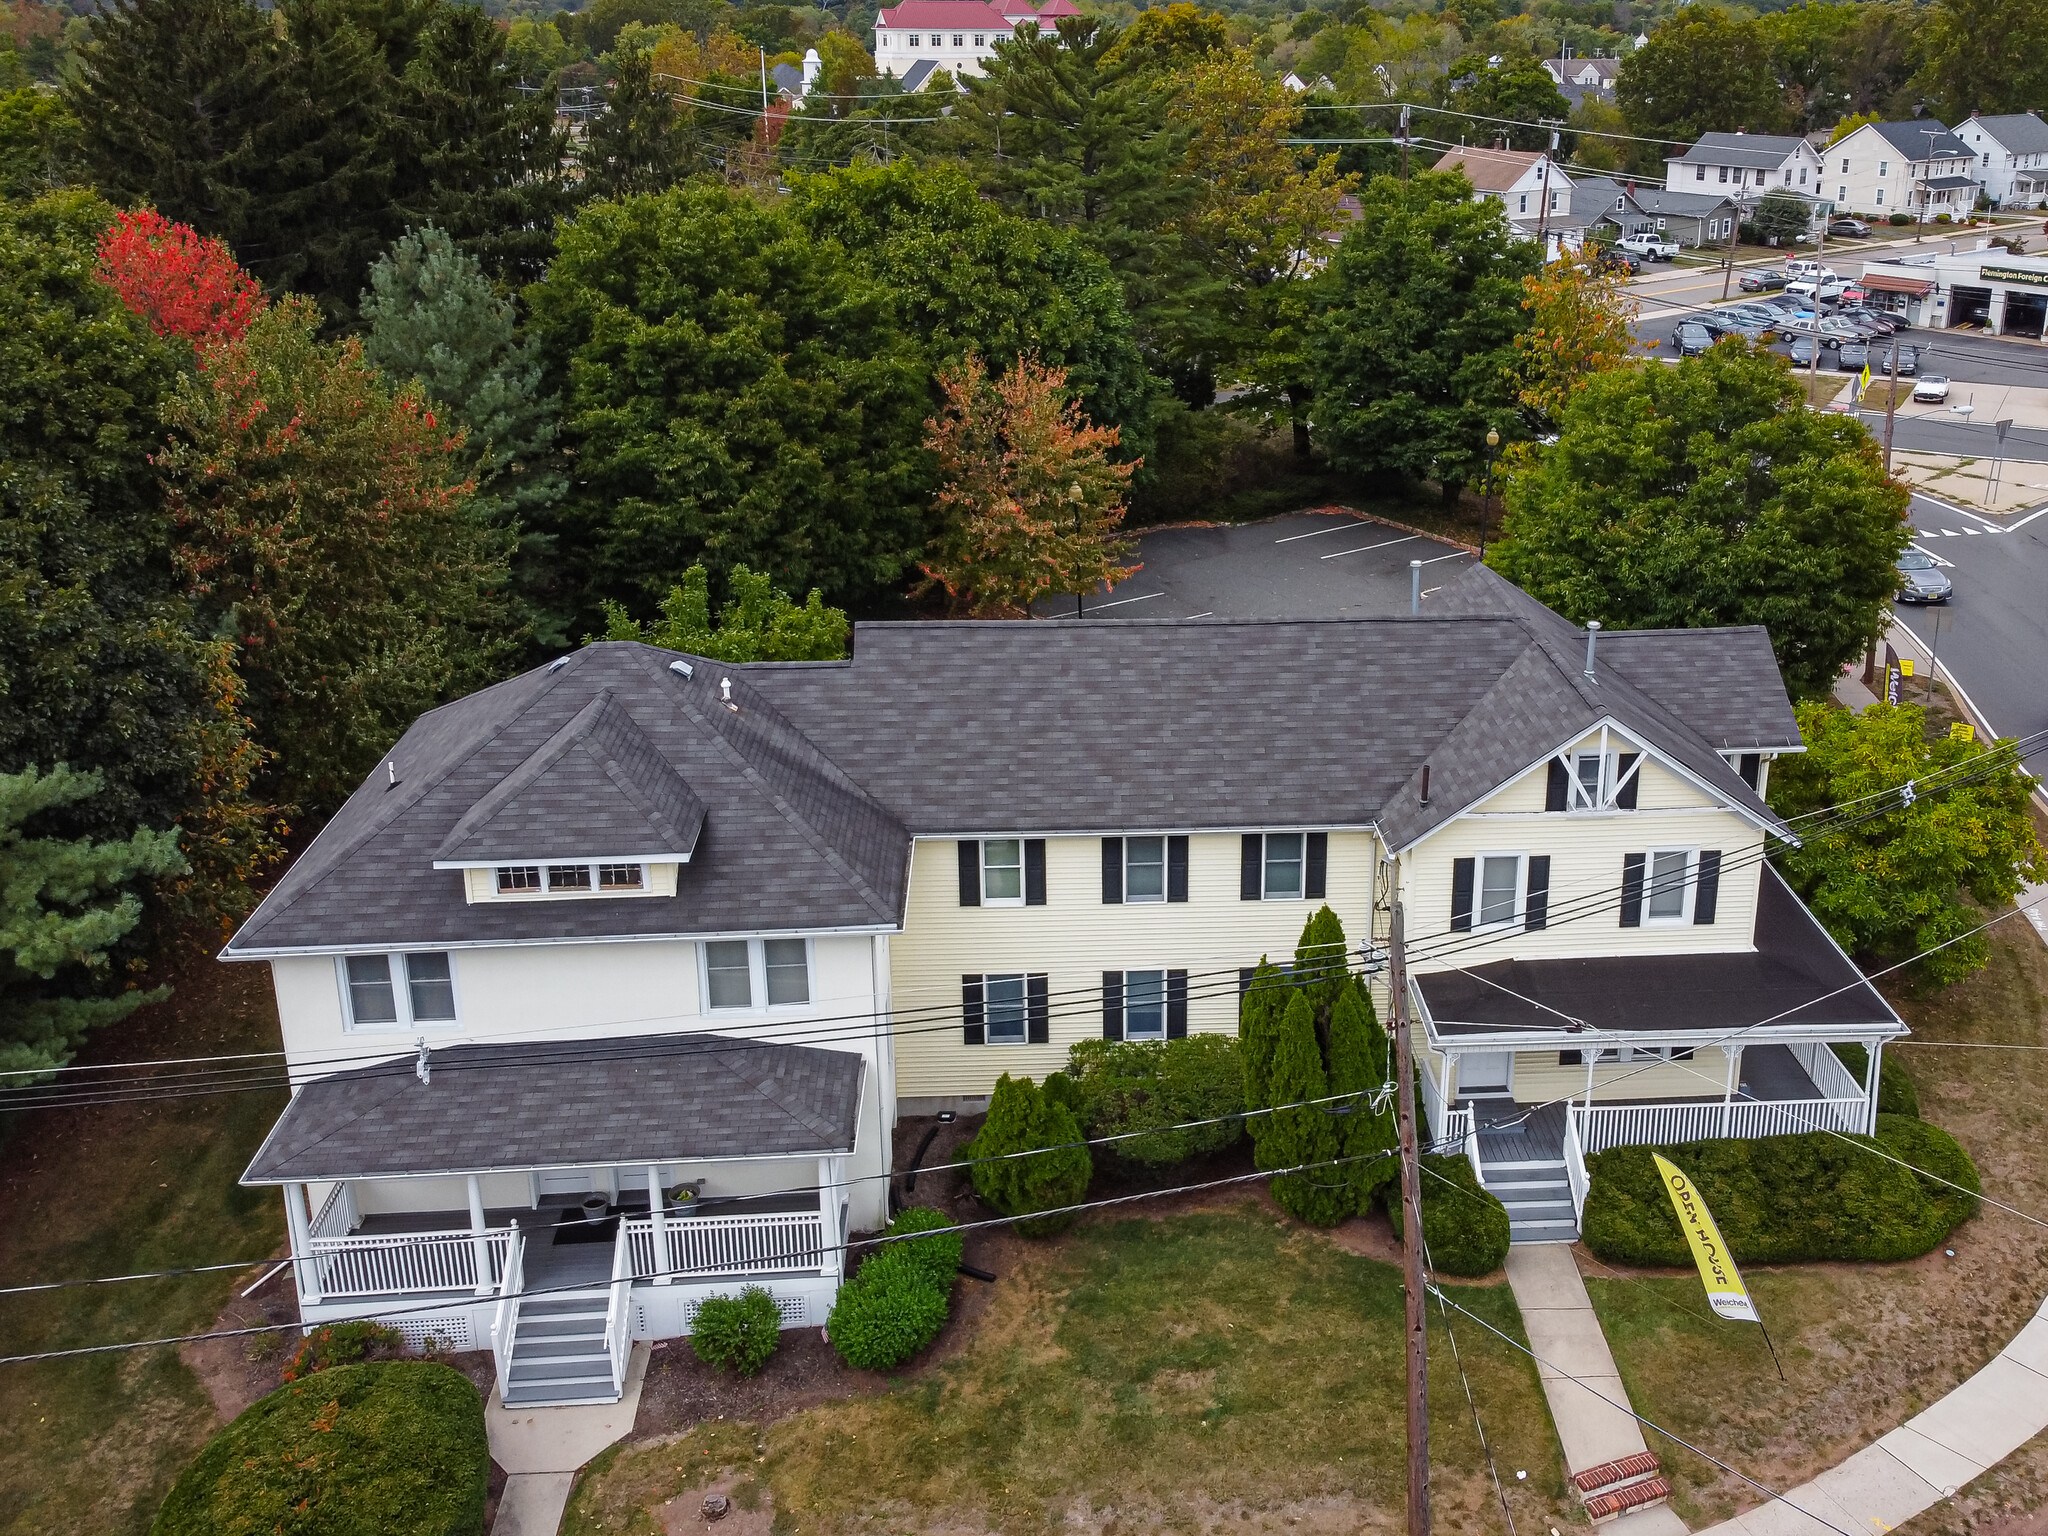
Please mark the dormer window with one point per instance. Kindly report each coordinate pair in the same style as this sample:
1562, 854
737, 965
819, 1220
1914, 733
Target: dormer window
1592, 781
562, 880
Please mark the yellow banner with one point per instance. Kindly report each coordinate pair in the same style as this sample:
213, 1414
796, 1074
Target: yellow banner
1726, 1293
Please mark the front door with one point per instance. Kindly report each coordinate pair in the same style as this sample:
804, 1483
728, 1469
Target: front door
1483, 1072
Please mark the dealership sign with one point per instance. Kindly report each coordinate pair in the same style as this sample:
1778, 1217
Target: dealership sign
2013, 275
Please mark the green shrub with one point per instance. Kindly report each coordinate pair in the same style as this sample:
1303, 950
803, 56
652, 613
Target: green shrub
1464, 1228
1895, 1092
1786, 1199
1899, 220
1306, 1136
335, 1344
391, 1448
888, 1311
1021, 1119
1126, 1086
938, 1255
737, 1333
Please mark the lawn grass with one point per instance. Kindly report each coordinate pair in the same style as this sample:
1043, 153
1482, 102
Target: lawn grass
91, 1445
1865, 1347
1186, 1370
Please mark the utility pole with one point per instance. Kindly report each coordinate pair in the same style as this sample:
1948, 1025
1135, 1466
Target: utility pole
1404, 146
1728, 261
1543, 212
1891, 404
1411, 1235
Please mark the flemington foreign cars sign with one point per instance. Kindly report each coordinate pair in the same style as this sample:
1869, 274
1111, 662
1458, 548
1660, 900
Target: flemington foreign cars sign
2014, 275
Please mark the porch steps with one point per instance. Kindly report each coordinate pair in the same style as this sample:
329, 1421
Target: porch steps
1538, 1198
1620, 1487
559, 1353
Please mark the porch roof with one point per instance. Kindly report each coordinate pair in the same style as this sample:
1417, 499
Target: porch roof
1796, 977
566, 1103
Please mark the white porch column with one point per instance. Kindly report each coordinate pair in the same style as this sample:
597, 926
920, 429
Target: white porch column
831, 1261
479, 1243
299, 1225
1734, 1055
1872, 1074
659, 1213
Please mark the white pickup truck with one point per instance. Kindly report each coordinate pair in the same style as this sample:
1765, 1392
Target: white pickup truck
1648, 246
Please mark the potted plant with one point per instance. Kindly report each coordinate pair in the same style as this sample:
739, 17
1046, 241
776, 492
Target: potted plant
596, 1208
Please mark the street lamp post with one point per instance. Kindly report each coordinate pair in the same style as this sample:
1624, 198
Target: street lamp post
1486, 495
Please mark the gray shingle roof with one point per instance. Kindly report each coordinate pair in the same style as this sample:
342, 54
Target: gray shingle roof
2020, 133
1912, 139
915, 77
1752, 151
788, 78
1684, 205
1796, 977
635, 1100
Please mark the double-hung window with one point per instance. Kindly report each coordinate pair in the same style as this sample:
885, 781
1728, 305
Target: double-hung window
1144, 1005
398, 991
1005, 1008
1592, 781
959, 40
1500, 890
1665, 900
1285, 866
1144, 869
751, 974
1002, 872
913, 40
1669, 886
1500, 886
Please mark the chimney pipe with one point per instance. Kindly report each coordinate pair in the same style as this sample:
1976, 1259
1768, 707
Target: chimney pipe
1425, 783
1415, 589
1592, 635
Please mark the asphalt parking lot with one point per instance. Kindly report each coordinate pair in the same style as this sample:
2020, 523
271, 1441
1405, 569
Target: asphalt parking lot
1304, 565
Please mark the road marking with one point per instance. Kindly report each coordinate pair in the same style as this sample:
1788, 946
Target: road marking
1930, 554
1456, 554
1950, 533
2013, 527
1118, 603
1973, 532
1209, 615
1364, 547
1950, 506
1318, 533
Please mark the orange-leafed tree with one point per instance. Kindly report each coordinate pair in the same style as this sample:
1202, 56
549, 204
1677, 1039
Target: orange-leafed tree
1578, 327
1032, 503
182, 282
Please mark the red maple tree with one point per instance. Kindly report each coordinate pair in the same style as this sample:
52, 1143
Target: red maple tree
182, 282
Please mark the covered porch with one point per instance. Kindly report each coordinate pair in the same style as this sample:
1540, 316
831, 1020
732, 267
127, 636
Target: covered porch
629, 1187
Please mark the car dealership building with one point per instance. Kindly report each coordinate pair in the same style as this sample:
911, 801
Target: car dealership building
2006, 295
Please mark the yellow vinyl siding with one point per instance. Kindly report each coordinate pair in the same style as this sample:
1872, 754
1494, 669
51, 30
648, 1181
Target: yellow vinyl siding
1539, 1079
1075, 937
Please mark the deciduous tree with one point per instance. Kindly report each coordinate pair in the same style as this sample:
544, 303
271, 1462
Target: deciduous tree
1578, 328
1705, 494
1891, 886
1030, 501
1988, 56
182, 283
1703, 70
759, 624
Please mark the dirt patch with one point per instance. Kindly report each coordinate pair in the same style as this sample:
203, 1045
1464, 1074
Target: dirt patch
681, 1391
749, 1510
240, 1371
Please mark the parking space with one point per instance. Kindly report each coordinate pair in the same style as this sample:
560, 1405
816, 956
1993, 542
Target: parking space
1321, 564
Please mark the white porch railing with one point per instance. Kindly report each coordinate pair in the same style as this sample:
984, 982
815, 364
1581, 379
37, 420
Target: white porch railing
729, 1245
618, 1317
1448, 1127
1575, 1167
337, 1216
1472, 1154
1830, 1074
1641, 1125
408, 1263
505, 1325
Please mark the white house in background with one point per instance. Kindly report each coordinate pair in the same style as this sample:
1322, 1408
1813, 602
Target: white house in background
1532, 189
605, 991
1299, 84
1578, 79
1745, 166
2012, 158
954, 35
1916, 167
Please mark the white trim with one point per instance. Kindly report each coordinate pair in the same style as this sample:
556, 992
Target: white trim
700, 937
1688, 886
1165, 868
1519, 914
1265, 861
594, 891
664, 856
1123, 1024
401, 994
982, 868
1228, 829
1023, 1036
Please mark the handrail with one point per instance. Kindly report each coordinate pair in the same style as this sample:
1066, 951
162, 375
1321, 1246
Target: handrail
777, 1242
401, 1263
618, 1313
337, 1212
1575, 1163
505, 1325
1472, 1149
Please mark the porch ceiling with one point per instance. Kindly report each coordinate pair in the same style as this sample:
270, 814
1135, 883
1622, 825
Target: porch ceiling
1796, 977
567, 1103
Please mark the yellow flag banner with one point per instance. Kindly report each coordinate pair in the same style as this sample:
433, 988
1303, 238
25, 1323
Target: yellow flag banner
1726, 1293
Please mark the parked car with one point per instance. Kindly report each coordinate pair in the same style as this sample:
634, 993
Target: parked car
1874, 322
1648, 246
1909, 362
1802, 351
1856, 229
1761, 316
1852, 355
1832, 292
1691, 339
1805, 267
1804, 289
1930, 389
1921, 580
1612, 259
1761, 282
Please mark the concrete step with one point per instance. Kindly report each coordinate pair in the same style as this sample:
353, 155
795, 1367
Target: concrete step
563, 1394
1508, 1190
1519, 1165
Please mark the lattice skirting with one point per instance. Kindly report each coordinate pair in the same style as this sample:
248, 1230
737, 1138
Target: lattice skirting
666, 1312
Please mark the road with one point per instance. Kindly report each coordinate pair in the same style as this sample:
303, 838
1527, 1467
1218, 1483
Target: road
1992, 636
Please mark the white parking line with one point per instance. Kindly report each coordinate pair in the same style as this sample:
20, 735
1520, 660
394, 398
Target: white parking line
1118, 603
1318, 533
2014, 527
1364, 547
1456, 554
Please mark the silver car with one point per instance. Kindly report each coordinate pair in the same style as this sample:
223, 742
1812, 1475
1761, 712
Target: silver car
1921, 580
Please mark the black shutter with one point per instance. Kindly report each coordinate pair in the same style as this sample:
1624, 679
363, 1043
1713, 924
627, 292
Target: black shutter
1176, 1005
1571, 1058
1536, 912
1034, 872
1176, 869
1708, 893
1112, 871
1461, 896
1112, 1005
1316, 873
970, 874
1557, 796
971, 1016
1625, 796
1245, 973
1752, 768
1037, 1010
1251, 876
1632, 890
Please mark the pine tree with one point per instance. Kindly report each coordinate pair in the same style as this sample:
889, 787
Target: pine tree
1358, 1065
63, 906
1258, 1025
638, 143
1306, 1133
1319, 965
1021, 1119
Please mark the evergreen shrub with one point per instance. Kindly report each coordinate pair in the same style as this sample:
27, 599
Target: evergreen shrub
1307, 1134
1896, 1094
1021, 1119
888, 1311
334, 1344
938, 1255
1787, 1199
1464, 1228
737, 1333
1122, 1086
390, 1448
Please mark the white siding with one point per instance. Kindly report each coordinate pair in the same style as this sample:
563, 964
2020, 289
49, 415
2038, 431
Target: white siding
1075, 937
1539, 1079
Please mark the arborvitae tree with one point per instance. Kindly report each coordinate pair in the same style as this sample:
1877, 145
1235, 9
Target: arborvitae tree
63, 906
433, 316
1319, 965
1258, 1026
1021, 1119
638, 143
1306, 1133
1358, 1065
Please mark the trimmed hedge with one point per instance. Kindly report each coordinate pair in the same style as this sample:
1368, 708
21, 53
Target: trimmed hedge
1787, 1199
1121, 1086
737, 1333
1896, 1094
385, 1449
1023, 1119
898, 1299
1463, 1226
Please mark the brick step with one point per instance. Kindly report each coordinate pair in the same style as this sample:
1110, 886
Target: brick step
1605, 1506
1593, 1479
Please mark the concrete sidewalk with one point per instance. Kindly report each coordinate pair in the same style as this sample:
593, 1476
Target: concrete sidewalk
542, 1448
